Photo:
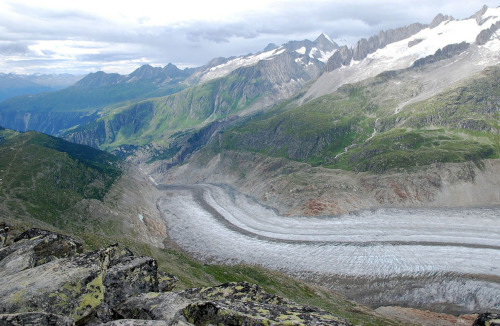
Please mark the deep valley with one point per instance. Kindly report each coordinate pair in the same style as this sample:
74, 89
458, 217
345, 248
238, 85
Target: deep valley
306, 184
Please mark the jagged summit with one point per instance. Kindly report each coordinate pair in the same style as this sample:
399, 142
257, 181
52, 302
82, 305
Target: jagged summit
324, 43
302, 51
146, 73
439, 19
270, 46
99, 78
324, 40
400, 48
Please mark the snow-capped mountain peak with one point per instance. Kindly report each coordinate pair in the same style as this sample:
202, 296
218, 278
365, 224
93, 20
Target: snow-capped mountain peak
477, 38
302, 51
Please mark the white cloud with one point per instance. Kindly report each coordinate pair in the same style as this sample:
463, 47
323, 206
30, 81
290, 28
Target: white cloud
61, 36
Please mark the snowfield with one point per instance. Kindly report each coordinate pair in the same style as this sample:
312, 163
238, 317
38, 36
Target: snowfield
218, 225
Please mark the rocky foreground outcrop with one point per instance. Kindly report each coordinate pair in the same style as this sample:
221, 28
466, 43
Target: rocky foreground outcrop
47, 279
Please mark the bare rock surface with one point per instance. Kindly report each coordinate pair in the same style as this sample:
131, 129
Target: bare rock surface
35, 247
47, 280
228, 304
425, 318
35, 318
45, 271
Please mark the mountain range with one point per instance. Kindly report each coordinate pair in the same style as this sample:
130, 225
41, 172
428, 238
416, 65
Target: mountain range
408, 118
12, 85
406, 98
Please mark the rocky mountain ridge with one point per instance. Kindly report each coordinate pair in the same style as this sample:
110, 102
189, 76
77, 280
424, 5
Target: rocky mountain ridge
258, 81
400, 48
157, 75
47, 279
320, 49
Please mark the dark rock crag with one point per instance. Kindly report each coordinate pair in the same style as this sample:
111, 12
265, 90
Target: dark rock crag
487, 319
46, 279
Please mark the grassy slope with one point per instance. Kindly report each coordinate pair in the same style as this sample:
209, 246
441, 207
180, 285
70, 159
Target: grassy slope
43, 176
457, 125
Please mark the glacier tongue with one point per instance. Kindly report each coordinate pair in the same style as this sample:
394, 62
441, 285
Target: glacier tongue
454, 252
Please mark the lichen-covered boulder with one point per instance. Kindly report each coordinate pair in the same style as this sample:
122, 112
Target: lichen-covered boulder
44, 271
129, 276
487, 319
67, 286
36, 247
228, 304
35, 319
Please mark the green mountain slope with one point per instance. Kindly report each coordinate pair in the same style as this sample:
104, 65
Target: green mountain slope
245, 89
359, 127
53, 112
43, 176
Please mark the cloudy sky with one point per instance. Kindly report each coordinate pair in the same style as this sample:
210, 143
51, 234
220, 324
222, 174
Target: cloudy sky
61, 36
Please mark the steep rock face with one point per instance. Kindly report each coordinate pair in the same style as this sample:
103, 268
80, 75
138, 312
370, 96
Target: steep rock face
367, 46
372, 44
47, 122
340, 58
400, 48
486, 34
442, 54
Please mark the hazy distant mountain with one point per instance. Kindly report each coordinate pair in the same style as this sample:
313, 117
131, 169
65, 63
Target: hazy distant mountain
78, 104
15, 85
156, 75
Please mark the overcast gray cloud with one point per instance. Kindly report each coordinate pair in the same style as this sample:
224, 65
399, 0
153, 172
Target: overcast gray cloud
75, 38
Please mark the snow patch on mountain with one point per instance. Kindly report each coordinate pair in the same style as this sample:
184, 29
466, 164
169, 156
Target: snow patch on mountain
225, 68
320, 49
321, 55
302, 50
